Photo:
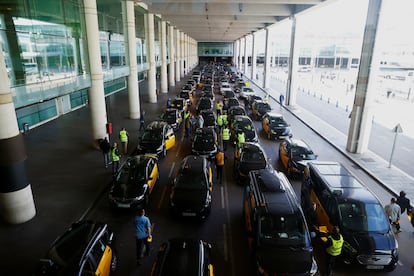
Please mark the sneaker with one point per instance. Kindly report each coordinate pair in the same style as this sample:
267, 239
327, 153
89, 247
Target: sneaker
398, 231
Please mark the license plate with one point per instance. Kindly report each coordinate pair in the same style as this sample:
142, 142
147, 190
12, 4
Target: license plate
187, 214
375, 267
123, 205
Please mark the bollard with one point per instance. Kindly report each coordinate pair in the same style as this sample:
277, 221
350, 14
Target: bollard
337, 104
329, 100
320, 97
26, 128
346, 108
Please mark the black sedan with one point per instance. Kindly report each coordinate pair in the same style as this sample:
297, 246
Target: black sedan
205, 142
249, 157
182, 257
133, 184
173, 117
192, 188
294, 154
275, 126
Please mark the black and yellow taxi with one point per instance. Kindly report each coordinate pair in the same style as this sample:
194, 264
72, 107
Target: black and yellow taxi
173, 117
260, 108
85, 248
183, 257
243, 123
204, 103
158, 138
343, 200
192, 188
132, 186
209, 118
275, 126
248, 157
277, 231
205, 142
294, 154
180, 104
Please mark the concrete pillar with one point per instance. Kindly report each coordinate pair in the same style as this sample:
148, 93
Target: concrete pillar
177, 56
164, 77
96, 92
266, 68
361, 114
131, 56
182, 57
152, 84
246, 56
16, 198
291, 86
240, 55
235, 54
171, 67
254, 57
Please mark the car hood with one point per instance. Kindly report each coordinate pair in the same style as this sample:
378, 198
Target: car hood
204, 147
250, 135
290, 260
150, 145
246, 167
189, 199
121, 191
369, 242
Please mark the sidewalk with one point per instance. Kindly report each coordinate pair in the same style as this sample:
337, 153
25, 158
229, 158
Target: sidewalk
393, 179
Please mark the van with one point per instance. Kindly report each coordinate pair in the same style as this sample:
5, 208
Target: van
277, 232
342, 200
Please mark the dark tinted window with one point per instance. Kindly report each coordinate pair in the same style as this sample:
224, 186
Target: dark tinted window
360, 217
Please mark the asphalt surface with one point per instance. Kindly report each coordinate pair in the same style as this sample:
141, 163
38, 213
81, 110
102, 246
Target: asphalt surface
69, 183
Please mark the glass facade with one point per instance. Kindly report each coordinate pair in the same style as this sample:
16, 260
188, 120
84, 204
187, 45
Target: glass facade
215, 49
45, 49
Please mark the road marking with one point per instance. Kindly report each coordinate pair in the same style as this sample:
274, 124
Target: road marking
229, 241
171, 170
225, 249
222, 197
164, 190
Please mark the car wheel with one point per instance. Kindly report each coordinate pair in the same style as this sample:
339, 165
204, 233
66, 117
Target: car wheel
146, 200
114, 263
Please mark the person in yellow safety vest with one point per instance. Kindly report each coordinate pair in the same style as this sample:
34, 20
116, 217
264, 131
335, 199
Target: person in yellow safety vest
240, 139
220, 120
123, 137
186, 114
225, 121
225, 137
218, 108
219, 158
333, 245
115, 156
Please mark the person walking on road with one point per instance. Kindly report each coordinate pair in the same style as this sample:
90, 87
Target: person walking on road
142, 121
219, 158
333, 245
115, 156
105, 148
225, 137
123, 137
403, 202
393, 212
143, 234
281, 100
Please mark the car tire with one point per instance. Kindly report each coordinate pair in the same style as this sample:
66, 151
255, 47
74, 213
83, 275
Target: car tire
114, 262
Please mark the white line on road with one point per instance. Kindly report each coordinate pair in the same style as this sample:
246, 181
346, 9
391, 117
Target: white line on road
171, 170
226, 257
222, 197
164, 190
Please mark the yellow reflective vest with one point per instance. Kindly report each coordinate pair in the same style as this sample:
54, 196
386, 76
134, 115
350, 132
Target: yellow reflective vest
336, 247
